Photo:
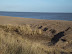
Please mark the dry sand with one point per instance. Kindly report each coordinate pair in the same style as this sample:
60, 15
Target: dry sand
35, 36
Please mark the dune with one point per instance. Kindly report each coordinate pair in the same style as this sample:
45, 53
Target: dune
35, 36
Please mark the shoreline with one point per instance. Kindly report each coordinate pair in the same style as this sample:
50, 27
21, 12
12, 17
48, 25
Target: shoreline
19, 20
35, 18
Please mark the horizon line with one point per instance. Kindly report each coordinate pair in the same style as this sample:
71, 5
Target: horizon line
36, 12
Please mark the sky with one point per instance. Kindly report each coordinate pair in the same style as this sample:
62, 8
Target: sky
36, 5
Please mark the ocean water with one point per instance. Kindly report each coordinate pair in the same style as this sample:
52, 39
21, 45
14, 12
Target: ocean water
38, 15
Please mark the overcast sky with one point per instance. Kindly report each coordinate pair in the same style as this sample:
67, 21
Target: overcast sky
36, 5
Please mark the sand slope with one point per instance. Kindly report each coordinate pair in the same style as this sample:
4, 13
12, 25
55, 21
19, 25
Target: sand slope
35, 36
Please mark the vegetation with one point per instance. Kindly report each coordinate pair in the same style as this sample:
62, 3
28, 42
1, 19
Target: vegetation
13, 41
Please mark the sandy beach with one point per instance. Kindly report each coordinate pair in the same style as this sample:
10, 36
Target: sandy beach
35, 36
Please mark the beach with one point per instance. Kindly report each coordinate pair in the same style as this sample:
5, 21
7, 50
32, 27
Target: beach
35, 36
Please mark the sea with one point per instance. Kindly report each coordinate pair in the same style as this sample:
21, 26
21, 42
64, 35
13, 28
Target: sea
39, 15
